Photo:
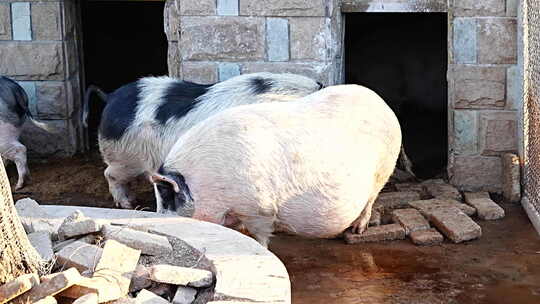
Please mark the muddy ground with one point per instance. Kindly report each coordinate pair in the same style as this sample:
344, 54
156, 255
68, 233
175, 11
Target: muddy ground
501, 267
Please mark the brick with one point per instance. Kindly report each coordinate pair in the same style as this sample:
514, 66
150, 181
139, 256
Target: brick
441, 190
60, 140
426, 237
497, 40
72, 58
222, 38
52, 99
90, 298
184, 295
200, 72
486, 208
228, 70
173, 59
426, 206
416, 187
16, 287
20, 21
308, 38
30, 88
227, 7
454, 224
76, 225
475, 8
148, 243
498, 131
479, 87
512, 8
140, 279
410, 219
47, 300
514, 87
394, 200
476, 173
375, 219
149, 297
5, 21
79, 255
171, 21
41, 240
46, 21
282, 7
32, 61
376, 234
197, 8
465, 132
475, 195
405, 6
181, 275
313, 70
277, 39
58, 283
511, 184
465, 40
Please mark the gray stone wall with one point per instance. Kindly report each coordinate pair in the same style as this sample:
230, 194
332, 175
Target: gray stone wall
38, 48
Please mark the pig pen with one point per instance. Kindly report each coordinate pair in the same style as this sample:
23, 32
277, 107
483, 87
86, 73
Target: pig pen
502, 266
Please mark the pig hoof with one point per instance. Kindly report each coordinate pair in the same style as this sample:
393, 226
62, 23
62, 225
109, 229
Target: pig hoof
124, 205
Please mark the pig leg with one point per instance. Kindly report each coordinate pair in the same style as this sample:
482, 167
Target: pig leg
361, 223
118, 177
262, 227
17, 153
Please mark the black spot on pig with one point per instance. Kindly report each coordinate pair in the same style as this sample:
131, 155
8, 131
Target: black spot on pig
179, 98
13, 96
119, 112
171, 200
260, 85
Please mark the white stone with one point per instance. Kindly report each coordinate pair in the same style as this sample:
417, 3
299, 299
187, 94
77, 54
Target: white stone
184, 295
80, 255
148, 297
41, 240
180, 275
148, 243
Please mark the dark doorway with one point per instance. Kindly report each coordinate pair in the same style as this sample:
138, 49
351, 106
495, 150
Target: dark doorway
122, 42
403, 57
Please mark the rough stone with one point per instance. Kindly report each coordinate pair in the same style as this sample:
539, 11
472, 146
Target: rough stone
20, 285
376, 234
277, 39
426, 206
511, 185
58, 139
184, 295
441, 190
426, 237
140, 279
282, 7
46, 300
200, 72
514, 87
90, 298
222, 38
171, 21
46, 21
52, 101
486, 208
20, 21
32, 60
197, 8
455, 224
410, 219
512, 8
41, 240
394, 6
61, 244
148, 243
476, 195
406, 187
228, 70
59, 282
34, 218
227, 7
72, 57
148, 297
465, 132
375, 219
465, 40
76, 225
479, 87
394, 200
308, 38
315, 71
476, 173
499, 131
474, 8
497, 40
5, 21
79, 255
173, 59
181, 275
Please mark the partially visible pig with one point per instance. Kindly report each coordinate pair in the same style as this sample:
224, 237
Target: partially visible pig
312, 167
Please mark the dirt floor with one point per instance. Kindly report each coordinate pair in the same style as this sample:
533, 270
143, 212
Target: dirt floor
501, 267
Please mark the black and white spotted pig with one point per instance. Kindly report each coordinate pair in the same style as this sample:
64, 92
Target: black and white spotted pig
142, 120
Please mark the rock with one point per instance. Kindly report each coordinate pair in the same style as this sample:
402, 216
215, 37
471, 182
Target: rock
486, 208
125, 300
34, 218
388, 201
424, 206
59, 282
438, 189
181, 275
77, 224
41, 240
184, 295
401, 176
455, 224
148, 297
410, 219
148, 243
426, 237
375, 219
416, 187
90, 298
511, 178
47, 300
32, 61
61, 244
309, 8
163, 290
80, 255
140, 279
475, 195
497, 40
376, 234
20, 285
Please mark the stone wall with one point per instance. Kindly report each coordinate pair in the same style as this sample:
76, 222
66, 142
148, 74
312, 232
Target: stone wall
39, 49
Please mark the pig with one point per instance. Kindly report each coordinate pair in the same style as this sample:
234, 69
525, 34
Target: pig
142, 120
311, 167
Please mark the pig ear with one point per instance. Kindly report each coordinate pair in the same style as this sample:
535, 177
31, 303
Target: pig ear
157, 178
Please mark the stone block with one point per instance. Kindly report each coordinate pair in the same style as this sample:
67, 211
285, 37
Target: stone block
30, 88
72, 57
228, 70
476, 173
140, 279
61, 244
486, 208
317, 71
465, 132
90, 298
200, 72
277, 39
71, 18
511, 184
32, 61
376, 234
479, 87
51, 100
426, 237
184, 295
464, 40
512, 8
475, 8
181, 275
77, 225
497, 41
171, 21
56, 138
148, 243
41, 240
20, 21
47, 300
197, 8
79, 255
34, 218
282, 7
222, 38
20, 285
394, 6
149, 297
5, 21
441, 190
375, 219
416, 187
455, 224
173, 59
426, 206
387, 201
514, 87
498, 132
56, 284
46, 21
475, 195
309, 38
410, 219
227, 7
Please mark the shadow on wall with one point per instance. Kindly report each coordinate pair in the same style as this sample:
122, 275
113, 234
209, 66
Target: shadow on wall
403, 57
